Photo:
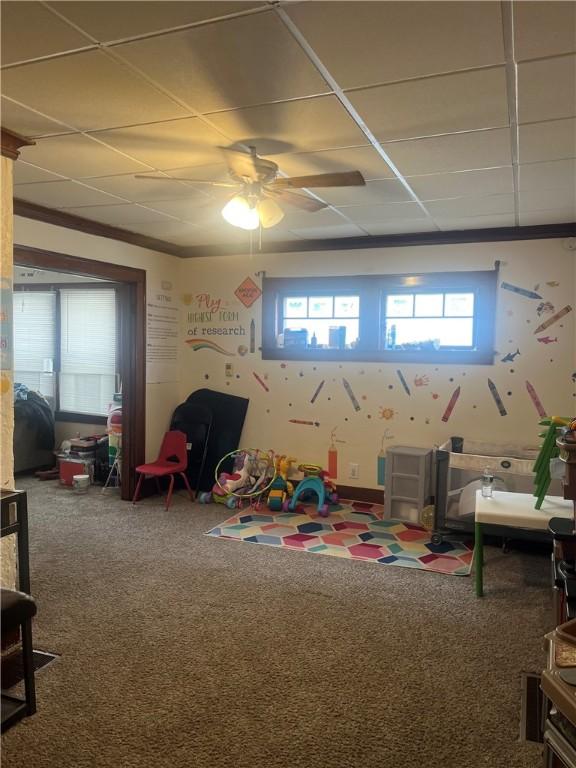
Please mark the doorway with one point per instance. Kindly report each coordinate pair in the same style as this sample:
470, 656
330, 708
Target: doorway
130, 287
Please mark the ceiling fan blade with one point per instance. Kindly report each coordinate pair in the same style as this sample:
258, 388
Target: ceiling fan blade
249, 166
193, 181
296, 200
345, 179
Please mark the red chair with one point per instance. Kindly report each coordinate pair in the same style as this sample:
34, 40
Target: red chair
173, 459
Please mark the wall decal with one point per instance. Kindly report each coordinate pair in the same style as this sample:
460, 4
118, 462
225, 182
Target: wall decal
5, 384
421, 381
537, 287
553, 319
351, 395
387, 413
242, 350
548, 340
403, 381
553, 283
248, 292
435, 395
544, 308
520, 291
259, 380
536, 400
381, 467
305, 422
509, 358
317, 392
252, 336
573, 377
197, 344
497, 399
452, 402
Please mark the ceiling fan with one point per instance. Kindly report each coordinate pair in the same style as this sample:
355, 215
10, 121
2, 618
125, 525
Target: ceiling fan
261, 189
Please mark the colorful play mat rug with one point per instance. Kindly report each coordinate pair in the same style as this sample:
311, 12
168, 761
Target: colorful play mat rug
354, 531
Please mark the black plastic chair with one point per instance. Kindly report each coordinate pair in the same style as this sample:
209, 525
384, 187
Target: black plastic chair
17, 612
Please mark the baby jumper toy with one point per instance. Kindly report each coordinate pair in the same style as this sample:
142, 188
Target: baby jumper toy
254, 474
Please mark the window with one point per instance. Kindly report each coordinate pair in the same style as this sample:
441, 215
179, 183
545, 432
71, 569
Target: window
65, 347
437, 317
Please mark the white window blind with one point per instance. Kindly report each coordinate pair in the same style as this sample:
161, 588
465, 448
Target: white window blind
35, 340
87, 350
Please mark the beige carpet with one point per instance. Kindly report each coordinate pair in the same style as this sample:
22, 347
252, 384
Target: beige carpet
184, 650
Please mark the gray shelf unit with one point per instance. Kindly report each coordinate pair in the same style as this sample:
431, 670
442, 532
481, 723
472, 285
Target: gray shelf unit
409, 485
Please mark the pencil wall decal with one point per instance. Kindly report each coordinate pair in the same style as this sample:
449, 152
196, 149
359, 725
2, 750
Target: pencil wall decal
536, 400
259, 380
553, 319
351, 395
451, 404
252, 336
497, 399
403, 381
305, 422
317, 392
521, 291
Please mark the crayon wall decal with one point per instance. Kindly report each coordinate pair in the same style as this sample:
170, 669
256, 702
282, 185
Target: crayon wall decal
536, 400
305, 422
553, 319
497, 399
333, 461
260, 381
351, 395
403, 381
521, 291
252, 336
317, 392
451, 404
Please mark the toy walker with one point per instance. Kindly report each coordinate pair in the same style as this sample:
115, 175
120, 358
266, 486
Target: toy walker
253, 475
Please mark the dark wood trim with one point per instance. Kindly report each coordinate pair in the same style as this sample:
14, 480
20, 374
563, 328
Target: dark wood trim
367, 495
11, 143
39, 287
132, 320
91, 227
496, 234
79, 418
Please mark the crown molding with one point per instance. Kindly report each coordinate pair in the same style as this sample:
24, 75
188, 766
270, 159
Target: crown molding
11, 143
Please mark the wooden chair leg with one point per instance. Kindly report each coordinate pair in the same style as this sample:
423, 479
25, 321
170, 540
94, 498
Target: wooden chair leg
138, 486
28, 666
171, 487
187, 484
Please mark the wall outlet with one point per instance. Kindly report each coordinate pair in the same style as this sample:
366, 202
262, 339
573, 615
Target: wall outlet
353, 471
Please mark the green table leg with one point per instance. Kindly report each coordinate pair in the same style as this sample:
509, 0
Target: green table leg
478, 559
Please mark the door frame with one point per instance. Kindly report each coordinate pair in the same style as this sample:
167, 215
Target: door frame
132, 343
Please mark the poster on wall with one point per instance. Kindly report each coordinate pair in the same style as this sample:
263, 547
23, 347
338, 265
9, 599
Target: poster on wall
162, 333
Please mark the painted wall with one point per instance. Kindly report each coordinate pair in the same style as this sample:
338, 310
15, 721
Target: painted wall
162, 270
280, 392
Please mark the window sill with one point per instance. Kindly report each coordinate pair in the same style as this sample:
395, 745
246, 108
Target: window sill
79, 418
379, 356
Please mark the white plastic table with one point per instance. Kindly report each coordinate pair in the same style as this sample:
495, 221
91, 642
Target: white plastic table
512, 510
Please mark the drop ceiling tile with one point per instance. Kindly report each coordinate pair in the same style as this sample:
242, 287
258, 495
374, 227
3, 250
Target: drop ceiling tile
62, 194
559, 216
461, 101
25, 173
303, 125
235, 63
453, 152
559, 174
364, 43
322, 233
544, 29
30, 30
145, 190
489, 181
119, 215
79, 156
295, 219
363, 159
178, 232
26, 122
475, 222
168, 144
399, 226
195, 211
547, 89
375, 192
553, 140
89, 91
220, 233
535, 200
462, 207
365, 214
129, 20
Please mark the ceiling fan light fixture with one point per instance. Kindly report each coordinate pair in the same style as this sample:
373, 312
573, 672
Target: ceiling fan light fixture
240, 213
269, 212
